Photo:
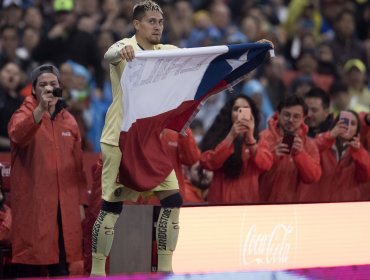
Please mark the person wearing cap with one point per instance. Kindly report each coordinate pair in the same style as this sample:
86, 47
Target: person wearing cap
354, 74
48, 181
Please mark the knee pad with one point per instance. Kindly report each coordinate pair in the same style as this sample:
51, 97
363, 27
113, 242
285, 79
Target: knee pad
112, 207
172, 201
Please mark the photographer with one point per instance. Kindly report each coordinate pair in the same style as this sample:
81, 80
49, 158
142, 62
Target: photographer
48, 182
296, 157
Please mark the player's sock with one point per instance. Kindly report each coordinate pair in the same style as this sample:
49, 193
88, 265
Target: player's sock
167, 233
102, 239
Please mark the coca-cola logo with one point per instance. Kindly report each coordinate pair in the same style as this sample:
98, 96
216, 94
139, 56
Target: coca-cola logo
267, 247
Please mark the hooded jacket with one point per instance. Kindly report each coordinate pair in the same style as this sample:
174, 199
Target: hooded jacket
288, 172
47, 173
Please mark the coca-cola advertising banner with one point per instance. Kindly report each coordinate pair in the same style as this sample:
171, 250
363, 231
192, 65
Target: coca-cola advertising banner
263, 237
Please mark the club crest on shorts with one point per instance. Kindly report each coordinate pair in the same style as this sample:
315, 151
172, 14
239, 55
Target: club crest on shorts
118, 192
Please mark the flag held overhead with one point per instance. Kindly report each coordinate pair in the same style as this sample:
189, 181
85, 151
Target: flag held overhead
163, 89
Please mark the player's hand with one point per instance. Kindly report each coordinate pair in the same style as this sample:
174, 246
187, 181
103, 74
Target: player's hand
127, 52
266, 41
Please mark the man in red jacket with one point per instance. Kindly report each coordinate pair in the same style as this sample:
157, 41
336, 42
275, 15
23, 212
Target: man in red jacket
48, 182
296, 157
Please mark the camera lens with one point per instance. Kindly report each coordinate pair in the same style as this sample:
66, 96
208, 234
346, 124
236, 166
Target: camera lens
57, 92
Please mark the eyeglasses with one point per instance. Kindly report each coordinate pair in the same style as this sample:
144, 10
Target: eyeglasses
287, 116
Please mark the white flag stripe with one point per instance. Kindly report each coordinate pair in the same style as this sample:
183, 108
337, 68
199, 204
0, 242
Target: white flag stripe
183, 52
149, 80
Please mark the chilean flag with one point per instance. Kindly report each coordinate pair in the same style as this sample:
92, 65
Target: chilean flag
163, 89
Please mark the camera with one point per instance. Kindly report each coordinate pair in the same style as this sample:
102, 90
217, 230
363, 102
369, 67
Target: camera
57, 92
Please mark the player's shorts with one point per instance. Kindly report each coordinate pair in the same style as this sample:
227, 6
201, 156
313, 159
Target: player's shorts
113, 191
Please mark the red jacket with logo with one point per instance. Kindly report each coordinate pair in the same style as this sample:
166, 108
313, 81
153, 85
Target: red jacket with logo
46, 171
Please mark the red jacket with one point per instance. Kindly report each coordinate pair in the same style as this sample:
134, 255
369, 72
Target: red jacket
288, 173
46, 170
244, 189
192, 195
341, 178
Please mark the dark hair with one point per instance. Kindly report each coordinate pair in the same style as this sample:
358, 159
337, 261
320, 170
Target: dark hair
338, 87
317, 92
293, 100
221, 127
141, 8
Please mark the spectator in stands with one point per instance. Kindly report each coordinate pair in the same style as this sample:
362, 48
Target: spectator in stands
9, 43
345, 164
340, 99
301, 85
10, 100
48, 183
78, 101
345, 45
354, 74
33, 18
326, 60
197, 182
251, 28
296, 161
272, 78
255, 90
319, 119
203, 33
29, 40
221, 18
11, 12
307, 66
230, 149
65, 42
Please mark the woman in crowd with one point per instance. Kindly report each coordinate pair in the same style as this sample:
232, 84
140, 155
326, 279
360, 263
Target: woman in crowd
345, 163
231, 151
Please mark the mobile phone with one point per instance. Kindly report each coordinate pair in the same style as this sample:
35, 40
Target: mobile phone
345, 117
244, 113
288, 139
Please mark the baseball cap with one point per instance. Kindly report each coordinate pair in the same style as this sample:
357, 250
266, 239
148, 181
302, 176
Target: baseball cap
45, 68
62, 6
8, 3
356, 63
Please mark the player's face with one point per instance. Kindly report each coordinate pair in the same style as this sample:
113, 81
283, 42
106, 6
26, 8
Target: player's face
150, 27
